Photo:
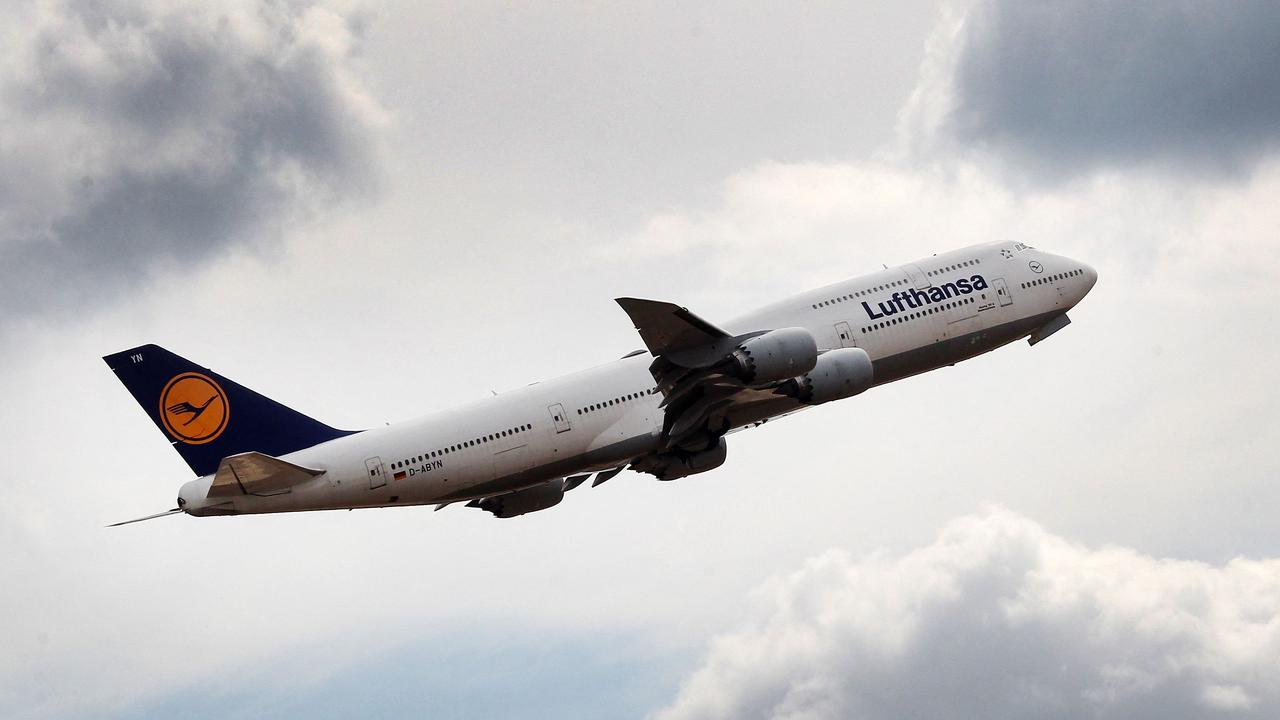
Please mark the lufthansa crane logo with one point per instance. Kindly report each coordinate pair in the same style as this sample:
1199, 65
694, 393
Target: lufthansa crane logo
194, 408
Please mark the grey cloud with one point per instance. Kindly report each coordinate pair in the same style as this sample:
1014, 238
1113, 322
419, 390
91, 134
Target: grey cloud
1066, 88
1000, 619
145, 135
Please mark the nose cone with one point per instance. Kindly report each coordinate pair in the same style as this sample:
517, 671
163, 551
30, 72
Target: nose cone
1083, 284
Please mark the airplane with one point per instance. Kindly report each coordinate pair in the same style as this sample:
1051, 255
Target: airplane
664, 410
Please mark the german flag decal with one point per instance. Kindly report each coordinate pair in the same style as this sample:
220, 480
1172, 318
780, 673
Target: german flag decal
399, 476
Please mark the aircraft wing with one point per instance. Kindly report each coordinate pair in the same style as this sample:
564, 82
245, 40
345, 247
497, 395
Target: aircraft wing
689, 366
667, 329
254, 473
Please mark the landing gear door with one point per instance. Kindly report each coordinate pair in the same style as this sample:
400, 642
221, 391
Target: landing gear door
377, 473
559, 417
1002, 291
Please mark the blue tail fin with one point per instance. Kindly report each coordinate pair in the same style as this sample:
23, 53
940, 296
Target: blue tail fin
208, 417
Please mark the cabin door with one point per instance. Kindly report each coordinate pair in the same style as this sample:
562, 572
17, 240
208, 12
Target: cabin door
845, 334
377, 473
1002, 291
559, 417
919, 280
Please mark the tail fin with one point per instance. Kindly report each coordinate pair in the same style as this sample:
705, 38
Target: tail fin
208, 417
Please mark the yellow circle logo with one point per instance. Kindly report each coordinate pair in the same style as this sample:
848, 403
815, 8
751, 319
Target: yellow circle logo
194, 409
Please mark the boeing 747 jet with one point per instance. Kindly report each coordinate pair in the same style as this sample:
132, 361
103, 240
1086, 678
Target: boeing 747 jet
663, 411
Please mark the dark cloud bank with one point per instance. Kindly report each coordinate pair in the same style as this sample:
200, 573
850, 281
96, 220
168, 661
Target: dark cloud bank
1070, 87
147, 134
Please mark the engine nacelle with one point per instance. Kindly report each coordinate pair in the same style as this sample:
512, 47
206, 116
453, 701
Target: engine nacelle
773, 356
672, 466
538, 497
837, 375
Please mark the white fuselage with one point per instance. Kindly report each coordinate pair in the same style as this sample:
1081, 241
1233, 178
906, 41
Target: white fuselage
605, 416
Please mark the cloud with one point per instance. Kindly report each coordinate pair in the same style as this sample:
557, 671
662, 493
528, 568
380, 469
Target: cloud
147, 135
999, 618
833, 219
1063, 89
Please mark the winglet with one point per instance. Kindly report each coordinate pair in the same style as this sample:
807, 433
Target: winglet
667, 328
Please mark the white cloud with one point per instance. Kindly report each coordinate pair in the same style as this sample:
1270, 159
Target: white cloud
826, 220
998, 618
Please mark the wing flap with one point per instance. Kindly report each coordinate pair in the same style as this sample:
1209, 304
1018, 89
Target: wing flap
254, 473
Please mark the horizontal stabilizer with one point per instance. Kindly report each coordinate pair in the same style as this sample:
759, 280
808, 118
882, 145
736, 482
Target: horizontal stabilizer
667, 328
253, 473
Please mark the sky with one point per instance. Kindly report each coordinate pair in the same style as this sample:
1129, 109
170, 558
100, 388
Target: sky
369, 211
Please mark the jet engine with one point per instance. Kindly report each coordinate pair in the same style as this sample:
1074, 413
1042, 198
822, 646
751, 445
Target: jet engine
675, 465
773, 356
838, 374
538, 497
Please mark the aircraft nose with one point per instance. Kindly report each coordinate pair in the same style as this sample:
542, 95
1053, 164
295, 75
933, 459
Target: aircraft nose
1091, 276
1080, 288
